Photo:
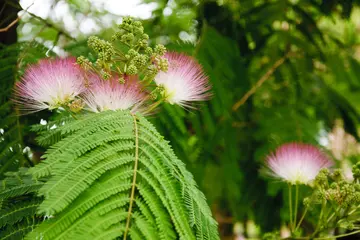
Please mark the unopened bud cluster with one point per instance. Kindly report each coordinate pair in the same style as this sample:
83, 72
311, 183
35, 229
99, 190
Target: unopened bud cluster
134, 57
341, 196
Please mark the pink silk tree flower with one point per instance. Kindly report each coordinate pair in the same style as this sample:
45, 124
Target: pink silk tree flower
297, 163
184, 81
112, 95
49, 84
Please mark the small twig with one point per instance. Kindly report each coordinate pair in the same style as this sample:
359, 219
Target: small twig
49, 24
265, 77
5, 29
10, 25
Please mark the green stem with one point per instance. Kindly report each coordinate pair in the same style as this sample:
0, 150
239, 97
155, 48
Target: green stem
290, 209
153, 106
336, 212
354, 210
320, 218
73, 115
302, 218
296, 204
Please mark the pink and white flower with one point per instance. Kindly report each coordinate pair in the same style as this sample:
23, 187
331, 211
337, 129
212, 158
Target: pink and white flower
184, 81
112, 95
297, 163
49, 84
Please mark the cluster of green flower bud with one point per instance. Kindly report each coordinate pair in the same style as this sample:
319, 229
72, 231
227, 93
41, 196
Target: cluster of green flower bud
162, 64
104, 49
148, 61
321, 180
335, 188
131, 33
332, 189
134, 57
84, 62
339, 198
105, 75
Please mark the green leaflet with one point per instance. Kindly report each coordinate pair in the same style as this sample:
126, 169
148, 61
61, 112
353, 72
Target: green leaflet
18, 205
89, 191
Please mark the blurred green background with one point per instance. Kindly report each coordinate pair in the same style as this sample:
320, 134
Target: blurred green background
281, 70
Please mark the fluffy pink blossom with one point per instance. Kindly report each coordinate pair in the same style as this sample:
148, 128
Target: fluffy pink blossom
49, 84
297, 163
113, 95
184, 81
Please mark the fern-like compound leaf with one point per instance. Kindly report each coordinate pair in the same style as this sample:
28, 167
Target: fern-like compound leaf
112, 175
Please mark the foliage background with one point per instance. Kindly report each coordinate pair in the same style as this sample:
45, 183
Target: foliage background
301, 56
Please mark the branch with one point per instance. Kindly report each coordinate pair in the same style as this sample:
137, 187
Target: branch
258, 84
10, 25
51, 25
48, 24
15, 21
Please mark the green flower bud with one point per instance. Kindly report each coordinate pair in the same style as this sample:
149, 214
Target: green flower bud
127, 20
153, 96
143, 43
116, 36
131, 70
152, 70
99, 63
139, 30
356, 197
121, 80
83, 62
149, 51
163, 64
127, 27
105, 75
80, 60
319, 196
127, 37
321, 179
93, 42
356, 171
132, 53
306, 202
160, 49
347, 225
140, 60
137, 24
337, 175
102, 56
